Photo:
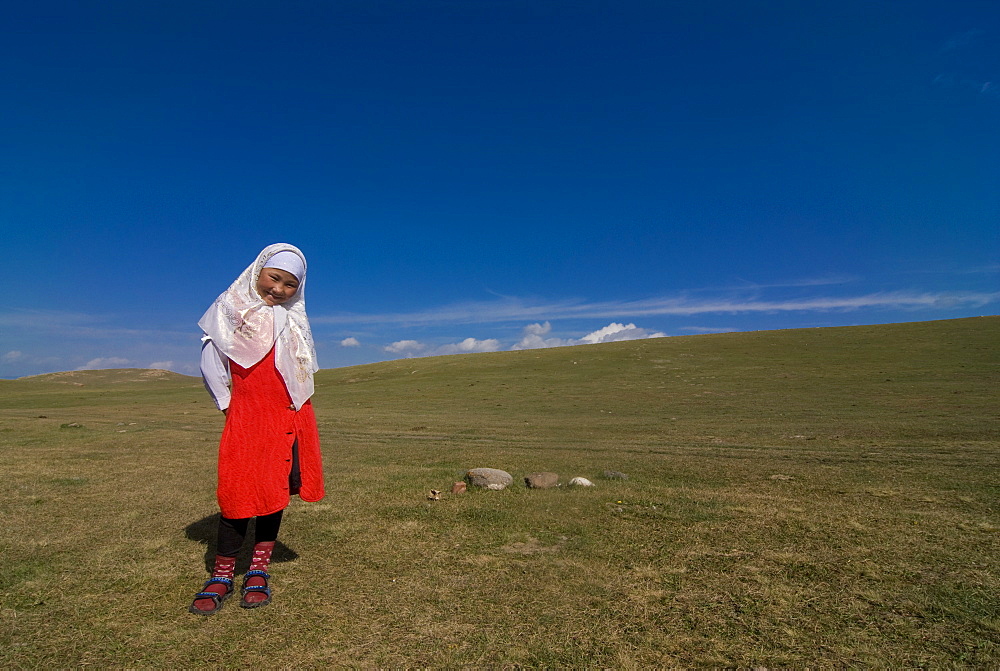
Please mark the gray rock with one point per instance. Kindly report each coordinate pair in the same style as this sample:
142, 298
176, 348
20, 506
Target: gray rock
543, 480
615, 475
489, 478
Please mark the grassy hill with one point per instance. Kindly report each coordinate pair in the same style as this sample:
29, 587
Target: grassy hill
803, 497
837, 385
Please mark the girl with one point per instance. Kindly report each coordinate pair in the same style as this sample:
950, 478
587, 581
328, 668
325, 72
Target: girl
257, 335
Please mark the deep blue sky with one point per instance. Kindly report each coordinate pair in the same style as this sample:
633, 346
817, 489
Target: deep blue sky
468, 175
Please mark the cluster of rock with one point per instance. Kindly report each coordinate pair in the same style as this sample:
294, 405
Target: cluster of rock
496, 479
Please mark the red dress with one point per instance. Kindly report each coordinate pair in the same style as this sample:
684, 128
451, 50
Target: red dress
255, 453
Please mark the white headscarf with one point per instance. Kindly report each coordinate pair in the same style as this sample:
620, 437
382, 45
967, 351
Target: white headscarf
242, 326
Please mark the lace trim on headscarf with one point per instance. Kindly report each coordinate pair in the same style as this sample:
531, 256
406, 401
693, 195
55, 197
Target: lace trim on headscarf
241, 325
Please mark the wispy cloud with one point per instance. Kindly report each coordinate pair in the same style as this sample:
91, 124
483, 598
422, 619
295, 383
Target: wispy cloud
513, 310
707, 329
829, 280
961, 41
82, 325
21, 363
350, 342
45, 319
968, 62
475, 312
985, 88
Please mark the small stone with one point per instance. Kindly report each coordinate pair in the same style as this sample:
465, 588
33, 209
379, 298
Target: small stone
489, 478
458, 488
581, 482
615, 475
543, 480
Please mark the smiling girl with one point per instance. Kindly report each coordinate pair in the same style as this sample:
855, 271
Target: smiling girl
258, 361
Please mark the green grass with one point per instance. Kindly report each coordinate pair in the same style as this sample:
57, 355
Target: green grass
821, 497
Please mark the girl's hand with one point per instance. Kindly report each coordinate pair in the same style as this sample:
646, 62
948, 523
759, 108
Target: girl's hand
225, 411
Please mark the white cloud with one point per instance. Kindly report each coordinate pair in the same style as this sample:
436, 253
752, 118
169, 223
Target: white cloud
537, 329
186, 369
533, 338
411, 348
350, 342
469, 345
13, 355
617, 332
408, 347
104, 362
163, 365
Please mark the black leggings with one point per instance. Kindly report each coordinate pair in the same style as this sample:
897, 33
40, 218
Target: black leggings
233, 532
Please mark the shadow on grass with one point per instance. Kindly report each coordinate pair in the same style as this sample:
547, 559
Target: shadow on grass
206, 529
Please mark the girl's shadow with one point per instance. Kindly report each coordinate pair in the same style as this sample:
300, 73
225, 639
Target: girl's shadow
205, 531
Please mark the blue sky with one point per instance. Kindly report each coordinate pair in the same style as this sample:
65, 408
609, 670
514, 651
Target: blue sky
476, 175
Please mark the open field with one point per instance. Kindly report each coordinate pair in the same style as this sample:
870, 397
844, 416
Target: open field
820, 497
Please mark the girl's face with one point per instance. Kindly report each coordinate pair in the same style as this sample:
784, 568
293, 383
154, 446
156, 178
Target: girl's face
276, 286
